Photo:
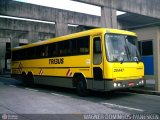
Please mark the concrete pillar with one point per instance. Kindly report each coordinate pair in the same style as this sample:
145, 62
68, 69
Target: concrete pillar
61, 29
157, 57
61, 25
114, 19
3, 42
2, 56
108, 18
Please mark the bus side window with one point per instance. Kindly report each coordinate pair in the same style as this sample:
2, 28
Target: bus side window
42, 51
52, 49
39, 52
30, 53
67, 47
74, 47
83, 45
46, 51
97, 52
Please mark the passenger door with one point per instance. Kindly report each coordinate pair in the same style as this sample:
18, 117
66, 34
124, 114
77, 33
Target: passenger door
98, 82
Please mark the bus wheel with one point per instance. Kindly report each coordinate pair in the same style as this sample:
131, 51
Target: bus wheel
81, 87
30, 79
24, 78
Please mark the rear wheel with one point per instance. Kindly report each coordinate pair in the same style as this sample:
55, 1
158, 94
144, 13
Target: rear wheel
24, 78
81, 86
30, 79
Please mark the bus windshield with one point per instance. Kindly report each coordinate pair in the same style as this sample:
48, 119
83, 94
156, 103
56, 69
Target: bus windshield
121, 48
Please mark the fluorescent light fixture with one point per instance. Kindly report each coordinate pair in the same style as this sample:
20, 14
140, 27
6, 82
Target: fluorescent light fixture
72, 25
26, 19
120, 13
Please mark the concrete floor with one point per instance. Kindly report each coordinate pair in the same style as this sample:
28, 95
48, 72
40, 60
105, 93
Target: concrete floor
45, 102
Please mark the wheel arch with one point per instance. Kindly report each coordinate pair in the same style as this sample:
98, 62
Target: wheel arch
31, 75
76, 75
24, 73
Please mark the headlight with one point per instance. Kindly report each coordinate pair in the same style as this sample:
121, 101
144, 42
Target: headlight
115, 84
142, 81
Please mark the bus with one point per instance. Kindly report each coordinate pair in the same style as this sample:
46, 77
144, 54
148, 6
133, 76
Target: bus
100, 59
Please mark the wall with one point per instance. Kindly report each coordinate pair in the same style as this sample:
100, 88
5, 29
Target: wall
157, 85
152, 33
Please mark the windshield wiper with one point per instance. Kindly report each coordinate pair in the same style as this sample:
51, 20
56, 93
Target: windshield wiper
128, 52
123, 55
136, 59
122, 61
129, 55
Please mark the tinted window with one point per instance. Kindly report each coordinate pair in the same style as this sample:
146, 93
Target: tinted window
97, 45
76, 46
146, 48
83, 45
30, 53
97, 55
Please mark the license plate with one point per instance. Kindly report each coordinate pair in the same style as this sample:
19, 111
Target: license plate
130, 84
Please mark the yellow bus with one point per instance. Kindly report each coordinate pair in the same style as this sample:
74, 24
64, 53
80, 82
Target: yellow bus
99, 59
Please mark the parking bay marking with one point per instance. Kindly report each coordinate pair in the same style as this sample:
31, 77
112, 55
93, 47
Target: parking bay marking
31, 89
119, 106
57, 94
36, 90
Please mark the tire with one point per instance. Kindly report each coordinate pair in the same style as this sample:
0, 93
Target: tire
30, 80
24, 79
81, 87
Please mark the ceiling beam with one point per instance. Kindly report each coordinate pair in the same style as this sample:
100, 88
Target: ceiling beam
37, 12
144, 7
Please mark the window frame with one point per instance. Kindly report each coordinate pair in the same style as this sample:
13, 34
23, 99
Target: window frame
74, 50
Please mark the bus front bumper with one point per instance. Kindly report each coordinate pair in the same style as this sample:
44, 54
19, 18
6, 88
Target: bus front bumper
123, 84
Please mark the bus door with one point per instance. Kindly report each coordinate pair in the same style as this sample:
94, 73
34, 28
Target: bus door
98, 82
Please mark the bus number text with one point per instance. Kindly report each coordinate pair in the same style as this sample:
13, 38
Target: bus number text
118, 70
56, 61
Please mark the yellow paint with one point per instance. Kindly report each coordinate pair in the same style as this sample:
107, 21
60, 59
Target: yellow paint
81, 63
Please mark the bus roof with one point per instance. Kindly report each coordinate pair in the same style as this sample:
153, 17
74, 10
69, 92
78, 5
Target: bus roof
96, 31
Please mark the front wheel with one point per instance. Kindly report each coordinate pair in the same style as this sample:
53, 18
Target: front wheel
81, 87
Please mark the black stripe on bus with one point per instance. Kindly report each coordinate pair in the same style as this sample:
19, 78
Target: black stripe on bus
91, 78
49, 76
56, 76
